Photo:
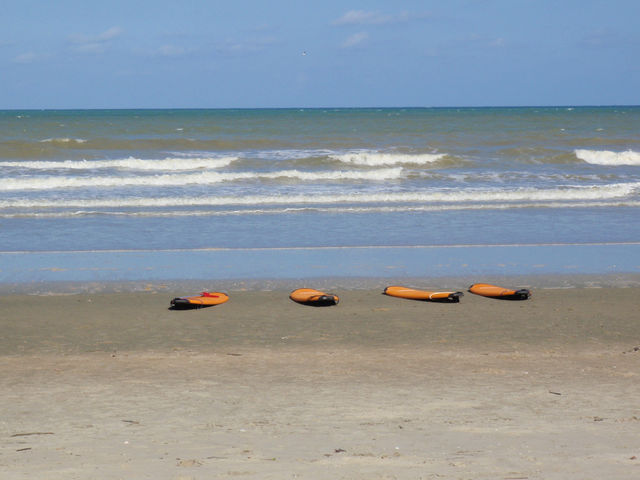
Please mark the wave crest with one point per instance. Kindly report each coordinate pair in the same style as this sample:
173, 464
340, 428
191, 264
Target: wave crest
606, 157
376, 159
204, 178
130, 163
451, 196
63, 140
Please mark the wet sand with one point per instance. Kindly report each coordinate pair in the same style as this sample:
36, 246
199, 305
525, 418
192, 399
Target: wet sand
115, 385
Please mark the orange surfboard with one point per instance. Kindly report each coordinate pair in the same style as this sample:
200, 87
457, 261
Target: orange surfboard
316, 298
424, 295
493, 291
205, 299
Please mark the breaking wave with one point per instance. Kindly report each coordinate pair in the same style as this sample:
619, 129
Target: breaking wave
376, 159
63, 141
476, 196
605, 157
130, 163
204, 178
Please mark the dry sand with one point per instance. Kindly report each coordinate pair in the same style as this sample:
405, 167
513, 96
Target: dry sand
108, 386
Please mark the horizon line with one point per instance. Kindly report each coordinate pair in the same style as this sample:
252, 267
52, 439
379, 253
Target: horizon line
44, 109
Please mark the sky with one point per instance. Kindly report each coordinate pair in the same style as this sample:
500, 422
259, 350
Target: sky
334, 53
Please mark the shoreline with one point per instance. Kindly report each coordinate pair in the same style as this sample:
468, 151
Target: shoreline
345, 264
192, 286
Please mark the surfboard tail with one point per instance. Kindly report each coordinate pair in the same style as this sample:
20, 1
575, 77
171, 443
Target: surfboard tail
183, 304
314, 298
500, 293
205, 299
422, 295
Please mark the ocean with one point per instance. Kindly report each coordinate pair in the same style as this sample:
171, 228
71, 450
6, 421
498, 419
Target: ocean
160, 195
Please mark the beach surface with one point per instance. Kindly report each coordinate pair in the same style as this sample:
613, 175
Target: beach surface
116, 385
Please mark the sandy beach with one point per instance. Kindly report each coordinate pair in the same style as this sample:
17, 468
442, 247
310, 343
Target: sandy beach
115, 385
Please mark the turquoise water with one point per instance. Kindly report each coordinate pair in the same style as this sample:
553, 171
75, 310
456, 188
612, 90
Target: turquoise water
135, 194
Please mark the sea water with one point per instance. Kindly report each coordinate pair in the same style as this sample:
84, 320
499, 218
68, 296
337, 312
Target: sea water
101, 195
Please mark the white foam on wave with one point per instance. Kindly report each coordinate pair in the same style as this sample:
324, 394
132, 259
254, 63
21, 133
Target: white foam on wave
204, 178
63, 140
606, 157
376, 159
618, 192
288, 154
130, 163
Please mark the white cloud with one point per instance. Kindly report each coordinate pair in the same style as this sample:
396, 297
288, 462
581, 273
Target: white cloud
246, 46
95, 47
110, 33
166, 50
171, 51
355, 39
482, 42
95, 43
24, 58
362, 17
600, 37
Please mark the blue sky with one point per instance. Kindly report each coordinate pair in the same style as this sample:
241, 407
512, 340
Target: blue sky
187, 53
